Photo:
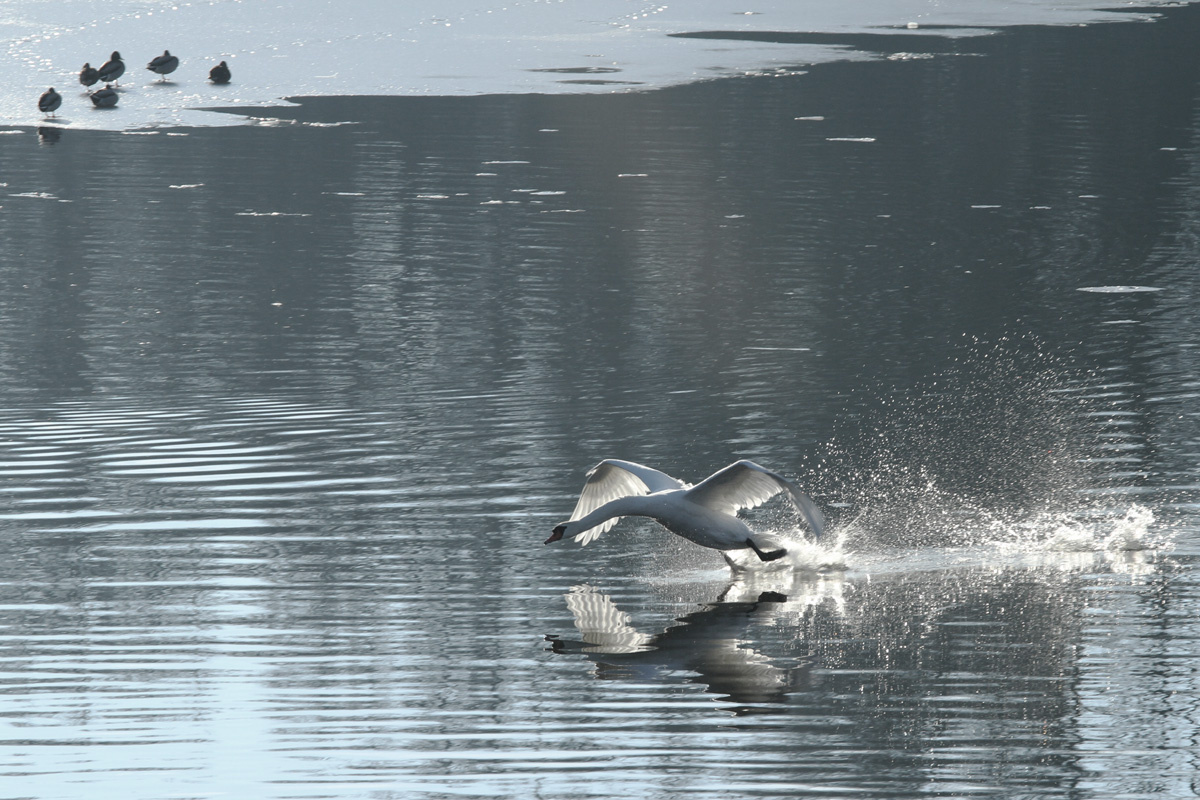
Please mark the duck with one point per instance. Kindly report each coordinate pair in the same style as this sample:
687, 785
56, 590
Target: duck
111, 69
89, 75
220, 73
164, 64
705, 514
104, 98
49, 102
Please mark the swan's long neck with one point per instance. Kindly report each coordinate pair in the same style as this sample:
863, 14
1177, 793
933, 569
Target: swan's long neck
630, 506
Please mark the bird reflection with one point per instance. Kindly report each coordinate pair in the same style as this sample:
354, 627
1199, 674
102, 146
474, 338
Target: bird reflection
48, 134
710, 643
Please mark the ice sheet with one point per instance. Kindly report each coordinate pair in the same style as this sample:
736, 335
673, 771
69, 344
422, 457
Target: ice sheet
302, 48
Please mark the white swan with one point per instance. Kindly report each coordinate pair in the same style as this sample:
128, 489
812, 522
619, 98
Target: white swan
705, 513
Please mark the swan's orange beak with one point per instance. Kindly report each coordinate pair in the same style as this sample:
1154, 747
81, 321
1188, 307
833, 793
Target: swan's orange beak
558, 534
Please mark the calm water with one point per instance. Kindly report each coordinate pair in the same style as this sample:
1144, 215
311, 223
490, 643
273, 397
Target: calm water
287, 410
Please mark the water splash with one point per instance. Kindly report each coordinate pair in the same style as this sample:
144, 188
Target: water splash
1004, 438
803, 555
1127, 532
1003, 456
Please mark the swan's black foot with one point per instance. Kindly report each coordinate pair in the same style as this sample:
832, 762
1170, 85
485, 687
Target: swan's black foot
769, 555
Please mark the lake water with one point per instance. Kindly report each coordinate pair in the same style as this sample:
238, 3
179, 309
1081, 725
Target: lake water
288, 408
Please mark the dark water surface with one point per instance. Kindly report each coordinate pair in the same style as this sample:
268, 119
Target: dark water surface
287, 410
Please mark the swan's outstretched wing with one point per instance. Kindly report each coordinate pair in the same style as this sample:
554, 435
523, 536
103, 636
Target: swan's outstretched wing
611, 479
745, 484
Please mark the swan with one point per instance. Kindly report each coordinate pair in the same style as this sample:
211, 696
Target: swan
111, 69
219, 73
705, 513
164, 64
49, 102
88, 75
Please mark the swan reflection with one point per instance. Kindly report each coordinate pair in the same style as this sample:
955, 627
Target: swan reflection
712, 643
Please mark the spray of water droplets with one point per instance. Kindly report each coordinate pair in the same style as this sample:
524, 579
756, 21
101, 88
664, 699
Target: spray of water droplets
998, 448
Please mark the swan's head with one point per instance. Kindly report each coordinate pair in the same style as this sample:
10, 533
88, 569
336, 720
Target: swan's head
559, 530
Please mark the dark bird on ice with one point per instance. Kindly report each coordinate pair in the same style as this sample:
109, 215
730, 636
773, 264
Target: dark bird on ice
104, 98
163, 65
219, 73
49, 102
88, 75
112, 69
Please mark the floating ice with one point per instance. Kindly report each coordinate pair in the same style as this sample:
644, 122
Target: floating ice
788, 349
1118, 289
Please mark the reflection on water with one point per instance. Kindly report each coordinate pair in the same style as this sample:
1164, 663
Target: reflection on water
279, 446
708, 642
974, 677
